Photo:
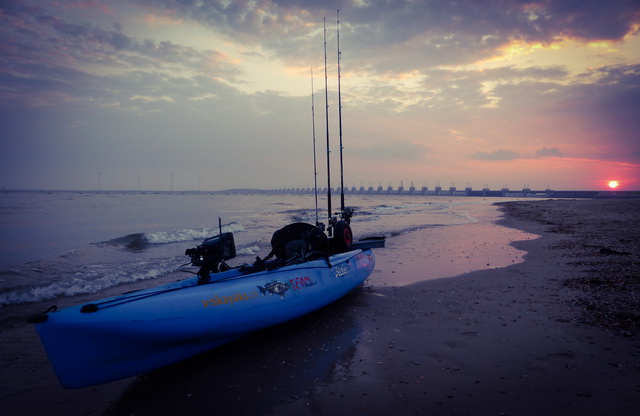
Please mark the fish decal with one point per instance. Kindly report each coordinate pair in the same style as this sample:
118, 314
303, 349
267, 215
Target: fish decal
275, 288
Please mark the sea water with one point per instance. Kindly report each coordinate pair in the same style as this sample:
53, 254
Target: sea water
64, 243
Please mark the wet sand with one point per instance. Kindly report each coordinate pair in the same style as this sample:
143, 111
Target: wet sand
554, 334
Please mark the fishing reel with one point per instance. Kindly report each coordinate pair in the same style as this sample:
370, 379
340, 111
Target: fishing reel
346, 214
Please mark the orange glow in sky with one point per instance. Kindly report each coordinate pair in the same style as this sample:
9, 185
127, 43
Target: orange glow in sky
614, 184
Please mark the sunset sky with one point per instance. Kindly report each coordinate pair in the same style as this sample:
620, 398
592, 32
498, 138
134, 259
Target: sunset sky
212, 95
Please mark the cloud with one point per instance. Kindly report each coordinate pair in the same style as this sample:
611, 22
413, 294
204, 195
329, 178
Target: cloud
46, 60
508, 155
497, 155
548, 152
390, 151
413, 34
100, 79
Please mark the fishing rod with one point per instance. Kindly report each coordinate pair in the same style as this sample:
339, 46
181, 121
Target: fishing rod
326, 100
315, 167
340, 117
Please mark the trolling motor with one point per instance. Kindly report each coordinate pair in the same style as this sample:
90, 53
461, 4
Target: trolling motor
211, 254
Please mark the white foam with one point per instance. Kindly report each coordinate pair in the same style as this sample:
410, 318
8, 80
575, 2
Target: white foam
190, 234
91, 281
251, 250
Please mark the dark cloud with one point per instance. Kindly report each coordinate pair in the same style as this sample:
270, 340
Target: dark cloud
412, 33
45, 60
506, 155
586, 19
548, 152
497, 155
415, 34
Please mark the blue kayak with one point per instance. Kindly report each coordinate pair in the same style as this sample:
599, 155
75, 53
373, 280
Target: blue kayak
126, 335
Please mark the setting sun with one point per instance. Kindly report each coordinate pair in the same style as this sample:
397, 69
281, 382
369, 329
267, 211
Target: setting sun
614, 184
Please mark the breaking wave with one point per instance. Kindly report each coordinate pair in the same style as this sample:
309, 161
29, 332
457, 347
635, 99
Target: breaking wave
139, 241
88, 280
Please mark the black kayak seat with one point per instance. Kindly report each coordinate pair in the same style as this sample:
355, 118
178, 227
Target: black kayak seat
294, 238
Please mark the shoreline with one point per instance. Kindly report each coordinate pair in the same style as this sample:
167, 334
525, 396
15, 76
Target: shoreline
512, 341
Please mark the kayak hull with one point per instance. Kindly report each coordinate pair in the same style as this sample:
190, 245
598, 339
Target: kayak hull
137, 332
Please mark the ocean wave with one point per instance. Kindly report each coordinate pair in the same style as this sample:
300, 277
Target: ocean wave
190, 235
301, 215
249, 251
91, 279
368, 218
139, 241
76, 267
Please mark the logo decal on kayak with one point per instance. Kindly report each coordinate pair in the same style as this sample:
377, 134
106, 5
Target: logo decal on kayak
301, 283
231, 299
275, 288
341, 270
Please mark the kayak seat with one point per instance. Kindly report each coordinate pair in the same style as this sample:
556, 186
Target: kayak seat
298, 239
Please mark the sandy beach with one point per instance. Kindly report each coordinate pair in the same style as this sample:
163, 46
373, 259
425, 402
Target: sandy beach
555, 334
